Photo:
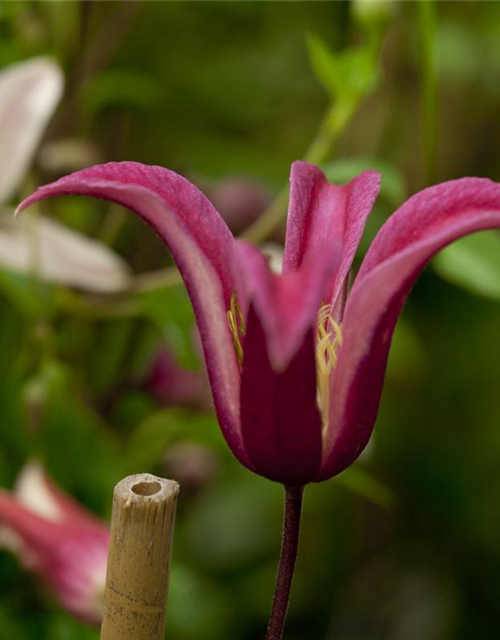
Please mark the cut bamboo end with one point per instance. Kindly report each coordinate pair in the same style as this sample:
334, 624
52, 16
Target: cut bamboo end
142, 528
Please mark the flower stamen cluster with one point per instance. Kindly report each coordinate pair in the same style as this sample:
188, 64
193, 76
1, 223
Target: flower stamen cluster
328, 343
236, 327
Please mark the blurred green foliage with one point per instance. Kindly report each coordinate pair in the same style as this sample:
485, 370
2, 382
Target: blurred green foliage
406, 544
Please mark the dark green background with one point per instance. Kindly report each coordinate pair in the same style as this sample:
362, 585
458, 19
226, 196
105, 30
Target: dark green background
213, 89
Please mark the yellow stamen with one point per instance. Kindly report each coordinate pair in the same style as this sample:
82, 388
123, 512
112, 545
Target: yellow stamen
236, 327
328, 343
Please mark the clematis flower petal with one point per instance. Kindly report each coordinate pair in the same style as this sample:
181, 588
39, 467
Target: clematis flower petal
281, 423
425, 224
29, 93
287, 305
201, 245
323, 214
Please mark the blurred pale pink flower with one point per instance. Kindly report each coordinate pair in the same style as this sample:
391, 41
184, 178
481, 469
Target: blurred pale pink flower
53, 536
60, 255
29, 94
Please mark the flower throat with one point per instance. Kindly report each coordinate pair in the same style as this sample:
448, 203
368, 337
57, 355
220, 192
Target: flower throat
328, 343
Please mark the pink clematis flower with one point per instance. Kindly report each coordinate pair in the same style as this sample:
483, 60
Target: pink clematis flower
58, 540
296, 362
172, 385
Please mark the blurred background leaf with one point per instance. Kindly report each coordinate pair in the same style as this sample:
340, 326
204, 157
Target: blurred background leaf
473, 263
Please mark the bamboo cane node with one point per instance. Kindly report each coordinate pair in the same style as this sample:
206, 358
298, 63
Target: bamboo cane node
124, 600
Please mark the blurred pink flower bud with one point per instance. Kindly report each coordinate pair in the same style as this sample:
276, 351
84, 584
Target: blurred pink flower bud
240, 201
193, 465
170, 384
65, 545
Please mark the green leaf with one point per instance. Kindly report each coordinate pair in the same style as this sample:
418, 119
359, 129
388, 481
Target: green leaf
197, 607
11, 627
240, 518
150, 439
473, 263
148, 443
109, 361
30, 296
324, 65
372, 14
62, 626
73, 442
121, 88
13, 330
345, 75
169, 308
362, 483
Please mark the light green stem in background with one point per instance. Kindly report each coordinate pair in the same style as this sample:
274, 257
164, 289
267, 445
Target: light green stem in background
337, 117
427, 23
334, 122
332, 125
363, 484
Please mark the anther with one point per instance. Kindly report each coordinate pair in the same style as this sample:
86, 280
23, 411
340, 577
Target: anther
328, 343
236, 327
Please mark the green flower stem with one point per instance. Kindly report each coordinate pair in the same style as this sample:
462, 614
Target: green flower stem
289, 549
426, 11
332, 125
335, 121
269, 220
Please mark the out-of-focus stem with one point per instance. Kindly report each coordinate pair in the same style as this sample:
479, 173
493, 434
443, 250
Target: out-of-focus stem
332, 125
427, 19
269, 220
334, 122
289, 549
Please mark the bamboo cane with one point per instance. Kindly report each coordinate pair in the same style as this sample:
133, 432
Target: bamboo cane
142, 527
